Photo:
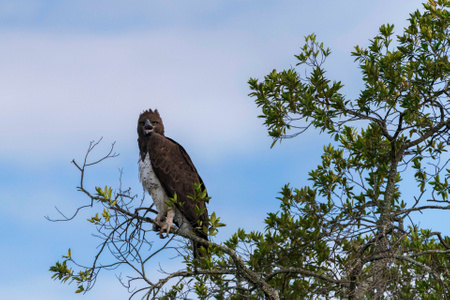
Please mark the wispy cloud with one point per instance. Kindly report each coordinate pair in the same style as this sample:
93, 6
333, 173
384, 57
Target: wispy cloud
60, 91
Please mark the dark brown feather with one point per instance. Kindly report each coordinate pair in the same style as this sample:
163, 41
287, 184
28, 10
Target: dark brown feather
177, 174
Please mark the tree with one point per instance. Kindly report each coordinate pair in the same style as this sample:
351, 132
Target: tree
351, 233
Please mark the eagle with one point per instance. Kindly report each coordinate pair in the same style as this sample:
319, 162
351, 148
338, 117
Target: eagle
167, 172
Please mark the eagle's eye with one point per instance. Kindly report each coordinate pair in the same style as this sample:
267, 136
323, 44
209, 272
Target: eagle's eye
142, 123
154, 123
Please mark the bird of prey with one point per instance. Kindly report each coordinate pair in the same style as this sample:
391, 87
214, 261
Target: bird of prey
166, 170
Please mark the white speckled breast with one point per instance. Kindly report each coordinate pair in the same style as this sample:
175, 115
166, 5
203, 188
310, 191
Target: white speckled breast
152, 184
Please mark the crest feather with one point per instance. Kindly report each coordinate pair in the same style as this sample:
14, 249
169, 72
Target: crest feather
151, 111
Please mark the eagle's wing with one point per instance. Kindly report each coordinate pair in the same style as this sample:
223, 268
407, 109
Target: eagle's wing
177, 174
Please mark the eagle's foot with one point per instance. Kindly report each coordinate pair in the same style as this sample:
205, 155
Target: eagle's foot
166, 225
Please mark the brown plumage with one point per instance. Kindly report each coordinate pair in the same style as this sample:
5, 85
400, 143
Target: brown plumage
165, 170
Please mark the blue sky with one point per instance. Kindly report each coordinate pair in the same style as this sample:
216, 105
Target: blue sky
75, 71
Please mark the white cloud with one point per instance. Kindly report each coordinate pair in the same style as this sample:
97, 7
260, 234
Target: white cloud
59, 91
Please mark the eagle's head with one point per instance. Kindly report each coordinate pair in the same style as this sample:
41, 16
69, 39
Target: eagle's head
149, 122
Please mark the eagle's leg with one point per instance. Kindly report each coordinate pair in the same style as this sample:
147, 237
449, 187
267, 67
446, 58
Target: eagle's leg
159, 217
165, 226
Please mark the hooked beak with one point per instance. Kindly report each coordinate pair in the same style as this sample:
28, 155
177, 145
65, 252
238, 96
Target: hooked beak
148, 128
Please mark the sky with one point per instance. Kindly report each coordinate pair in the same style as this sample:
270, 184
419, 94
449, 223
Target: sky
76, 71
